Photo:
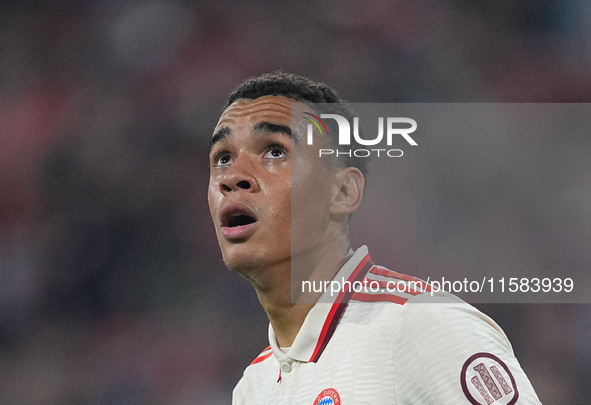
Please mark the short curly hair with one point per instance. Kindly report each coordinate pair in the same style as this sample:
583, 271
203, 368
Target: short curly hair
302, 89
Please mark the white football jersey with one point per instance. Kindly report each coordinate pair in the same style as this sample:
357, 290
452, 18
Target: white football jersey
388, 347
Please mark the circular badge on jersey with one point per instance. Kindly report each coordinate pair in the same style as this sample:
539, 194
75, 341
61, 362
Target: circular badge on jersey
486, 379
329, 396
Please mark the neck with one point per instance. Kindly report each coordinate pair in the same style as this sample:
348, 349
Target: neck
274, 288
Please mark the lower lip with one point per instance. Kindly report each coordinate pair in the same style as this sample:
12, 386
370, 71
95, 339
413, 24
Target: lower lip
238, 232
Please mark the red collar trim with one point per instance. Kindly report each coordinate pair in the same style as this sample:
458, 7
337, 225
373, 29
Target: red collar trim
338, 308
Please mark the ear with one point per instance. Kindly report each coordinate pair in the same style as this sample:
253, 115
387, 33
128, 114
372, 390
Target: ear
350, 183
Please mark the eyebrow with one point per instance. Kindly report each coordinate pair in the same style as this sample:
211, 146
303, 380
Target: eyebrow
262, 127
220, 134
268, 127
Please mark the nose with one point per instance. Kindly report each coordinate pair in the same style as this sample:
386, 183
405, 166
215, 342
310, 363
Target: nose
240, 176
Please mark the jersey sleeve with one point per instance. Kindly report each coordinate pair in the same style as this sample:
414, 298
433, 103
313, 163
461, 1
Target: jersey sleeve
451, 353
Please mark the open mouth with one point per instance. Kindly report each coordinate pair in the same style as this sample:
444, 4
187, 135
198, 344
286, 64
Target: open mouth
237, 215
238, 222
240, 219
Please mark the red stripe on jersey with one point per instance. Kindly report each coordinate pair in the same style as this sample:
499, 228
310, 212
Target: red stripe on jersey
379, 298
391, 286
337, 309
380, 271
261, 358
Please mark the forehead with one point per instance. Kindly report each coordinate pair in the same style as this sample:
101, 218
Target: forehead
275, 109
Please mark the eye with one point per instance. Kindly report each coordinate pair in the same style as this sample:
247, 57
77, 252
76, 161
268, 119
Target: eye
221, 158
275, 152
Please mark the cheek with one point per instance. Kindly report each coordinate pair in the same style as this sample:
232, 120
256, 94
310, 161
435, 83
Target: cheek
212, 200
279, 203
310, 174
310, 205
310, 185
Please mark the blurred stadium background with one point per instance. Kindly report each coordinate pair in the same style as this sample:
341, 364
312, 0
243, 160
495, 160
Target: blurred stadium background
112, 289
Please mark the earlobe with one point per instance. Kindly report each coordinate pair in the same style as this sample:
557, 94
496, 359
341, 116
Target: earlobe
349, 187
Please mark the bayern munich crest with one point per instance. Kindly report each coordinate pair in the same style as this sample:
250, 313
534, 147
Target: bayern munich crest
329, 396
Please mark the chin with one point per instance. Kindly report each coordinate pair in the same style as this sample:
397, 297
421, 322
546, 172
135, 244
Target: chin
248, 259
251, 269
241, 258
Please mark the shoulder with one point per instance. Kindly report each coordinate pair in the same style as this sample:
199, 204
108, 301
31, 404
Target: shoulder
428, 325
262, 364
445, 347
443, 317
264, 355
260, 370
417, 309
445, 350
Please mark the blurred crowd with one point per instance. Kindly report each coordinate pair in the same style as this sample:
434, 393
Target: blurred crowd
112, 288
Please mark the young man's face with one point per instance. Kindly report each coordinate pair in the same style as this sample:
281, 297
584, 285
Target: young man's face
254, 147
